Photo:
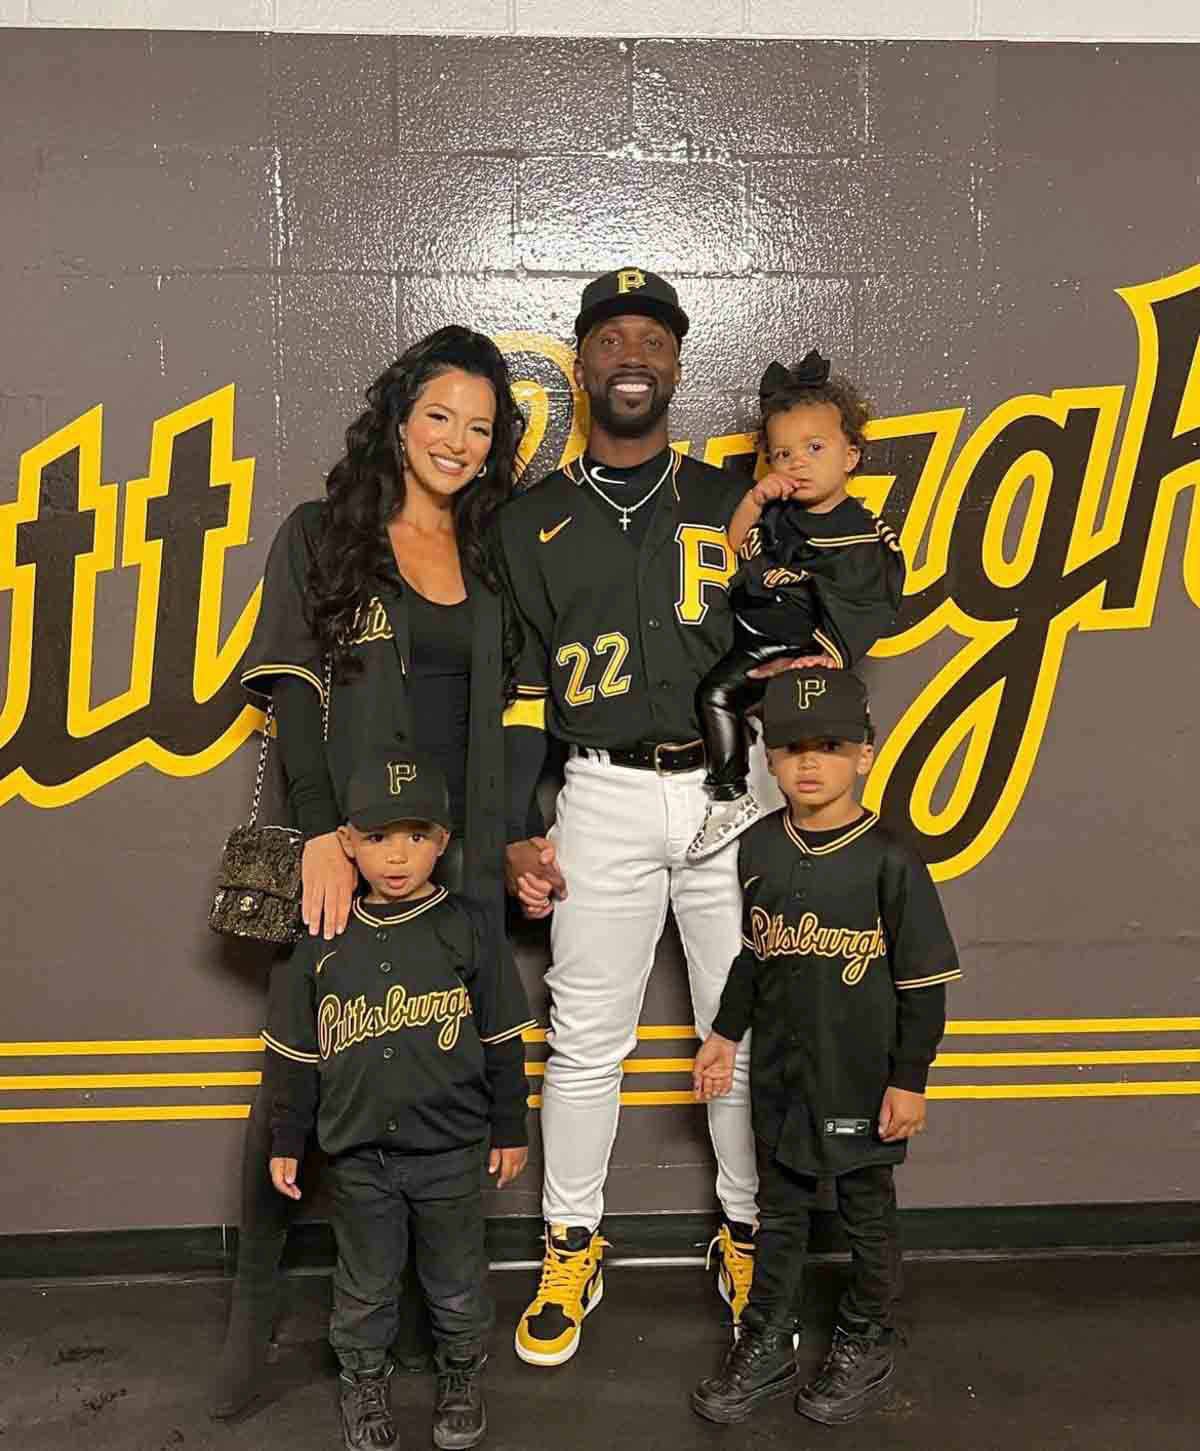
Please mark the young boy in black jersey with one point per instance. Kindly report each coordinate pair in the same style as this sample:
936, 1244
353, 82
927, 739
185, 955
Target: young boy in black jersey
820, 580
408, 1029
842, 978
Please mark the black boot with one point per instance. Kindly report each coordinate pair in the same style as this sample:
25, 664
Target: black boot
366, 1396
248, 1337
459, 1417
856, 1375
760, 1364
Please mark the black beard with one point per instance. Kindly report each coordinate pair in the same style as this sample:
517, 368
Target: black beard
622, 425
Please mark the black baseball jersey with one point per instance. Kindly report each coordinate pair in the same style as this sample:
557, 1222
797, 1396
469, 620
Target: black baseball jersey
618, 637
842, 977
831, 580
370, 711
411, 1022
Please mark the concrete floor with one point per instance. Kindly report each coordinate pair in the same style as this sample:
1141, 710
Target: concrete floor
1100, 1353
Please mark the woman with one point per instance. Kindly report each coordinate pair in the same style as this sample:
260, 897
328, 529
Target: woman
383, 622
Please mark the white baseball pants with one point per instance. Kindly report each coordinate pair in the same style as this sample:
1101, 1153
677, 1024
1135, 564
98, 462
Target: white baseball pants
622, 835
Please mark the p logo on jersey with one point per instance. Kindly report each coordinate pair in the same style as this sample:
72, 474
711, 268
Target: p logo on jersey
399, 774
807, 691
629, 279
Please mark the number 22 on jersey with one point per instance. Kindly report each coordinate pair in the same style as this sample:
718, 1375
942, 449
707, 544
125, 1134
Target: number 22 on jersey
578, 657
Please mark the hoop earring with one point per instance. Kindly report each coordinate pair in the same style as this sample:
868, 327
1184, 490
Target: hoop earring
480, 473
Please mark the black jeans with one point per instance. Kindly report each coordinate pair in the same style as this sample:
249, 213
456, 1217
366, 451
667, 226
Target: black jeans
866, 1201
722, 699
383, 1204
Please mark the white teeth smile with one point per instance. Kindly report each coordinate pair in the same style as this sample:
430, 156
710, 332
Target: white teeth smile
632, 387
447, 465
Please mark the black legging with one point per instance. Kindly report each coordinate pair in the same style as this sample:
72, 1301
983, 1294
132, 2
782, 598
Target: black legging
722, 699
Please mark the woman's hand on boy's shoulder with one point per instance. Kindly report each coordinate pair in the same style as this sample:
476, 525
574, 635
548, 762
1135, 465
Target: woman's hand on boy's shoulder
329, 878
901, 1115
506, 1164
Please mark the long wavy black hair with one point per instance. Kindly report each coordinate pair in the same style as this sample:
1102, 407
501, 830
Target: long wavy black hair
365, 489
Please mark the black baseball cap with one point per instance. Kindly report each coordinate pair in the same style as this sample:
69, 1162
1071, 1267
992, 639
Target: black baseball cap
815, 704
397, 787
630, 289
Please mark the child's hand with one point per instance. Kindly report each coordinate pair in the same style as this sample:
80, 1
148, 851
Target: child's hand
712, 1072
771, 487
283, 1176
901, 1115
793, 662
509, 1163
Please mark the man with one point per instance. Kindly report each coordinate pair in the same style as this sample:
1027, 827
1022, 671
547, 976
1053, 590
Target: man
619, 565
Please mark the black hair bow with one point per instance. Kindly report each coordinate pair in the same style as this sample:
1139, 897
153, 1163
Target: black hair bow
810, 373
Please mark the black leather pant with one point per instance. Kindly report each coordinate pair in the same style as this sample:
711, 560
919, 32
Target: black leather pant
722, 699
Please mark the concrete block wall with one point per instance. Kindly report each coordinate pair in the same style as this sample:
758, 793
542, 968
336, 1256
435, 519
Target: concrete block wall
1084, 20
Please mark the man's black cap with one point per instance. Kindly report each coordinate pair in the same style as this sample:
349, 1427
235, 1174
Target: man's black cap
397, 787
630, 289
815, 704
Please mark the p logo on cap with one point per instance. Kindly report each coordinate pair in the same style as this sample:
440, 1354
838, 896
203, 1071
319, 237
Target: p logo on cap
629, 279
400, 772
807, 690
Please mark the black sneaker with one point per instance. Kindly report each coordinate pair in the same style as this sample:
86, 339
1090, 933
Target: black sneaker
367, 1423
459, 1416
856, 1376
759, 1365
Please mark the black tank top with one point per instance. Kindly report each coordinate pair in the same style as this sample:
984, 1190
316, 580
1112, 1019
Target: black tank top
440, 676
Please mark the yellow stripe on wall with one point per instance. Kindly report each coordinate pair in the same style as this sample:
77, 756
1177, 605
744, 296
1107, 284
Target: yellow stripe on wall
133, 1046
53, 1081
1065, 1090
647, 1033
985, 1026
160, 1114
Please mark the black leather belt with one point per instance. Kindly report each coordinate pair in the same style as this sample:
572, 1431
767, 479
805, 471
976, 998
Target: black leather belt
664, 757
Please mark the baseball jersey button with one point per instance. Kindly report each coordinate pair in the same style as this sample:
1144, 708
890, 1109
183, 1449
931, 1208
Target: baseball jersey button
389, 1052
381, 935
392, 1126
655, 624
385, 967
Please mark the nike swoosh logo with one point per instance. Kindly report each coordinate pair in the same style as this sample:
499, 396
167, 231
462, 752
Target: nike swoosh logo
545, 535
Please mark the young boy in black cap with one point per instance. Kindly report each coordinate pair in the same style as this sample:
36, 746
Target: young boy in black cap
408, 1029
842, 978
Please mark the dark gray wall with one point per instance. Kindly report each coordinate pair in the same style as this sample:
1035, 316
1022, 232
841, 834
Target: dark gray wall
950, 221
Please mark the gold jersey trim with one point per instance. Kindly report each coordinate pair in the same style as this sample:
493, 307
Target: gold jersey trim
285, 1052
531, 713
298, 670
830, 648
852, 833
931, 981
423, 905
844, 539
508, 1033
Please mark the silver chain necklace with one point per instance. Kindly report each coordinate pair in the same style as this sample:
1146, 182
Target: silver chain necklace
624, 512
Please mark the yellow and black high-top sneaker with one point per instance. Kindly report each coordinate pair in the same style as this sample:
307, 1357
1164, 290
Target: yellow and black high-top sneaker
571, 1287
734, 1246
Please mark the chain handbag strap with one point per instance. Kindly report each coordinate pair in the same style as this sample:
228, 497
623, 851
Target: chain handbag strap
268, 722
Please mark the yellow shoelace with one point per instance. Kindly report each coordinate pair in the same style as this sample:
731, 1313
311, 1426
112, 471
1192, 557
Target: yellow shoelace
566, 1272
739, 1263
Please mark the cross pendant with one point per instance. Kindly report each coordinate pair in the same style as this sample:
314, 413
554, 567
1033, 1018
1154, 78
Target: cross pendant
625, 520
